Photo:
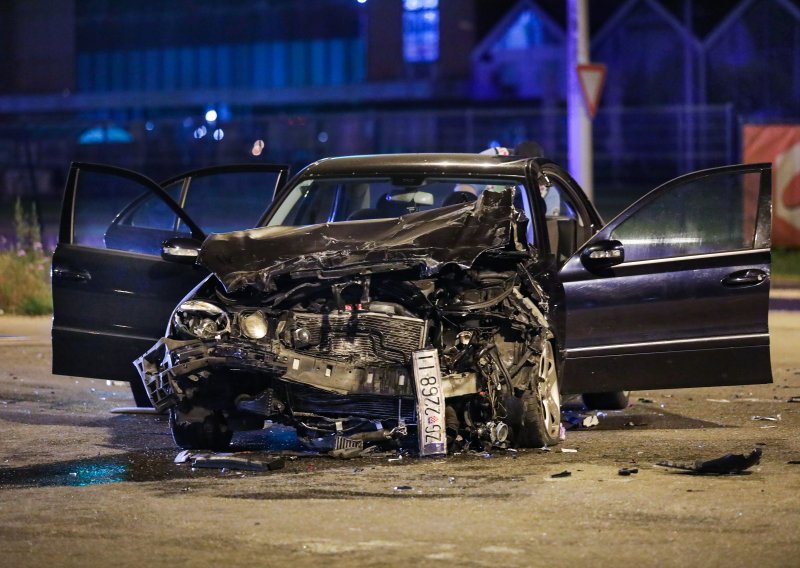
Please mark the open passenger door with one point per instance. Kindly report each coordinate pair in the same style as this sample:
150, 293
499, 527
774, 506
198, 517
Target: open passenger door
674, 292
113, 285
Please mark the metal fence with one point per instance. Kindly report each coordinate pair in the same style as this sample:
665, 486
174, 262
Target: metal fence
635, 148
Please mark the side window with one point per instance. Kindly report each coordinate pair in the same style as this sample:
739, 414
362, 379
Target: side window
705, 215
566, 228
229, 201
149, 212
114, 212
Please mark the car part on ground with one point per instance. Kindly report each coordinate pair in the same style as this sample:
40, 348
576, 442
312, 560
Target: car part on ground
727, 464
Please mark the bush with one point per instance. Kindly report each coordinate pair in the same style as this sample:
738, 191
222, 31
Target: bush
25, 269
786, 263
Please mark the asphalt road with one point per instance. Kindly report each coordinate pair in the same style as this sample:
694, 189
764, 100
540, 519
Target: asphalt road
80, 486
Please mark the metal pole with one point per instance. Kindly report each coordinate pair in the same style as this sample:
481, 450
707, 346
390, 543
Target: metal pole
688, 87
579, 125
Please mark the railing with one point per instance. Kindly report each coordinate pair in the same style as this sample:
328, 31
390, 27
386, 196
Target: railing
635, 148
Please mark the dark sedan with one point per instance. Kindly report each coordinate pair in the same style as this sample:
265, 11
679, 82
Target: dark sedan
454, 297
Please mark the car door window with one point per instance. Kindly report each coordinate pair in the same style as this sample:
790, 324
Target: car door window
150, 212
705, 215
228, 201
566, 228
115, 212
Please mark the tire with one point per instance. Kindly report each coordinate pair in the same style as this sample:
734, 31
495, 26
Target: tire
140, 394
540, 423
616, 400
210, 434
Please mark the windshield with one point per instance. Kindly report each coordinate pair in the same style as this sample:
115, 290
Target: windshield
349, 199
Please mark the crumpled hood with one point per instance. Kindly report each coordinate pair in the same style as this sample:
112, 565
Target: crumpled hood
429, 239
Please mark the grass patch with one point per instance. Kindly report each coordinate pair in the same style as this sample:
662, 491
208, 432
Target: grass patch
786, 263
25, 284
25, 269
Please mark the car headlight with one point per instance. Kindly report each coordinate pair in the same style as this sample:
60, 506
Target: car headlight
200, 319
253, 325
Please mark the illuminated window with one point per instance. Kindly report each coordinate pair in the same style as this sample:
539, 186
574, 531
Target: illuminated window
420, 30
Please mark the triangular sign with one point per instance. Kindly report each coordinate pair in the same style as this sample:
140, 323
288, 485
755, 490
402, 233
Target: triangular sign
592, 76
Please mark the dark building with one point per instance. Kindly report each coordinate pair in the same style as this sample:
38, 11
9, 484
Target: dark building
164, 86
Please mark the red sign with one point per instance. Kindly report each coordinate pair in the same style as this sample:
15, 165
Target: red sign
592, 77
779, 144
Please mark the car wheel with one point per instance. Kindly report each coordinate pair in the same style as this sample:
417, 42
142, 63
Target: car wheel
540, 422
140, 394
212, 433
606, 400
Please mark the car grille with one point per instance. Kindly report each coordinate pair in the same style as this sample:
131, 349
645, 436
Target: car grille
366, 337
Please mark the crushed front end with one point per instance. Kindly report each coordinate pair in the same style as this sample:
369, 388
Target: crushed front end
365, 344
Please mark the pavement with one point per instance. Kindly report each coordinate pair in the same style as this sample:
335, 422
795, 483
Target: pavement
80, 486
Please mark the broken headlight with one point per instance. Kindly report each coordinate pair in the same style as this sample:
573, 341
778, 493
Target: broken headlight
200, 319
253, 325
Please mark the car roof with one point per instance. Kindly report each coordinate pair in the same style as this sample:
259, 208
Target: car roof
432, 164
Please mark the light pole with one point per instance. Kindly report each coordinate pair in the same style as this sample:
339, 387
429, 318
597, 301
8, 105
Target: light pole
579, 124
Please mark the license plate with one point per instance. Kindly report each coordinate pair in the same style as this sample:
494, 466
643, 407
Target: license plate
430, 403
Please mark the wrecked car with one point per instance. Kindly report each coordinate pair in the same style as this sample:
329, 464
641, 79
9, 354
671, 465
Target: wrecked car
449, 299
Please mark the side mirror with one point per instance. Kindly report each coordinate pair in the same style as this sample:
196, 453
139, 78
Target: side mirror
602, 255
182, 250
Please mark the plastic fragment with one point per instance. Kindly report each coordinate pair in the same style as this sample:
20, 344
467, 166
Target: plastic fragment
565, 473
579, 420
569, 451
233, 462
625, 471
775, 418
727, 464
403, 488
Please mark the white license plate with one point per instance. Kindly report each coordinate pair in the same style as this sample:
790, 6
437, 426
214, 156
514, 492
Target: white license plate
430, 403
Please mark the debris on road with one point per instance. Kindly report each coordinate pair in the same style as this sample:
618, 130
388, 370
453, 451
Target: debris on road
569, 451
565, 473
775, 418
626, 471
646, 400
228, 461
233, 462
794, 399
576, 420
717, 400
727, 464
136, 410
403, 488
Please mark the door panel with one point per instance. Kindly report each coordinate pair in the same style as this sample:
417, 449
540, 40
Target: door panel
112, 292
687, 305
104, 322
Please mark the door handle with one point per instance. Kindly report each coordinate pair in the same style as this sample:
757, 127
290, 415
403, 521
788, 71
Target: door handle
73, 275
743, 278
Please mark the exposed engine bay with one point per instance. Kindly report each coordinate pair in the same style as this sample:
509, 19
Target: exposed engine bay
396, 341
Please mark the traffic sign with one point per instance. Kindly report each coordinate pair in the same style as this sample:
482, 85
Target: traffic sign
592, 76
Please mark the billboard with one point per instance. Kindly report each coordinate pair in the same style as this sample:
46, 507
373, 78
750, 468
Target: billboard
779, 144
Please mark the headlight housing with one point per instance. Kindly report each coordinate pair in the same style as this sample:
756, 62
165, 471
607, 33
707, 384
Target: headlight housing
253, 325
200, 319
